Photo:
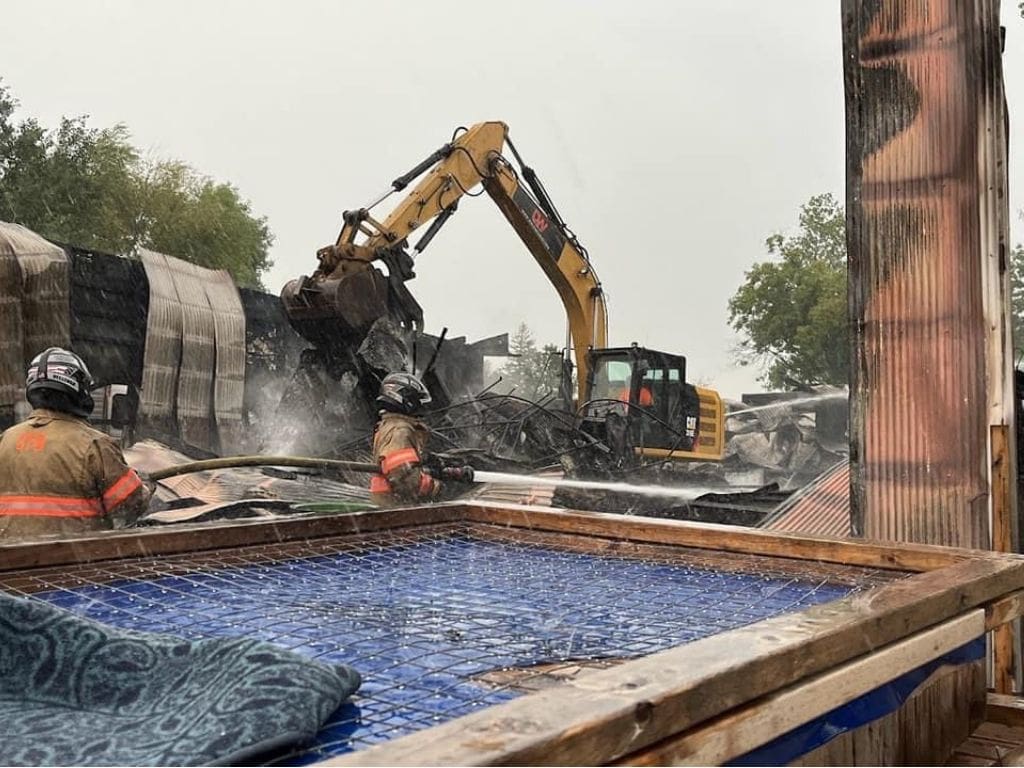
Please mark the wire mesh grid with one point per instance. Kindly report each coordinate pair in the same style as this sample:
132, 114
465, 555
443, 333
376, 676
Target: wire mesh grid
444, 620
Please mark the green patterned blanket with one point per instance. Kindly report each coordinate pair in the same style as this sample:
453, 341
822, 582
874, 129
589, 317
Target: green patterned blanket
77, 692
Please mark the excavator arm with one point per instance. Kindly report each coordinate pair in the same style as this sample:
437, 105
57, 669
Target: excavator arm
345, 295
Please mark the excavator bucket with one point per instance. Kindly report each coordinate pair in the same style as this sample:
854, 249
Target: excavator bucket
339, 309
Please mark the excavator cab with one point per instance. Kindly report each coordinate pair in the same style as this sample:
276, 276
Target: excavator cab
639, 402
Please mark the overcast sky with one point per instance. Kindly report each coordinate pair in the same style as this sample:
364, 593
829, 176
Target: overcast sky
673, 136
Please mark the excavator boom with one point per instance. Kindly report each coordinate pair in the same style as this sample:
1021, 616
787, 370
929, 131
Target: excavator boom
329, 305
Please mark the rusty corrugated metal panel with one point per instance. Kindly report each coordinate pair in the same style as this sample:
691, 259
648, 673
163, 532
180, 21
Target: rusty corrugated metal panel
920, 74
163, 346
821, 508
229, 383
12, 374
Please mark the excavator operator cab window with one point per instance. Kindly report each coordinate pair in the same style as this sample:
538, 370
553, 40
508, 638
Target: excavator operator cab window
612, 380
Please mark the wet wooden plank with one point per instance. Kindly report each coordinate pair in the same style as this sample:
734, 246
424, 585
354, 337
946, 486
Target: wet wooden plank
748, 728
1004, 671
726, 538
115, 545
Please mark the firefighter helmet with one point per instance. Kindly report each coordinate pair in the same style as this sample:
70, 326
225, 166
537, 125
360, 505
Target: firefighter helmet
402, 392
63, 373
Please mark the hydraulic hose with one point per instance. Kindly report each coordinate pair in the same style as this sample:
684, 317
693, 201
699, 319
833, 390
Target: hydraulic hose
261, 461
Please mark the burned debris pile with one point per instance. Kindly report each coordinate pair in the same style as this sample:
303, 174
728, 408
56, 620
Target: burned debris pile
788, 438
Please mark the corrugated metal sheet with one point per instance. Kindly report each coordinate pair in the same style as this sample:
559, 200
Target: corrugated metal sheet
44, 295
198, 354
46, 307
163, 346
229, 384
12, 375
194, 368
922, 79
820, 508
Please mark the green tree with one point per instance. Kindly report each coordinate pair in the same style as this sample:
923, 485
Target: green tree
188, 215
90, 187
792, 309
1017, 298
531, 372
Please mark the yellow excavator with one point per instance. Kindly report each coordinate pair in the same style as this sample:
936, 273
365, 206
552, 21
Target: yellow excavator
636, 398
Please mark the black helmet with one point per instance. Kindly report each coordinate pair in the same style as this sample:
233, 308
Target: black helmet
60, 380
402, 392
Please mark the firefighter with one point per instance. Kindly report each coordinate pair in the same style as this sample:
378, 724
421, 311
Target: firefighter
399, 445
58, 475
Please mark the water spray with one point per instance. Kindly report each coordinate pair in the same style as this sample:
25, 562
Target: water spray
660, 491
824, 397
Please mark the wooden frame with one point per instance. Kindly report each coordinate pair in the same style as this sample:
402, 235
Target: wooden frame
705, 702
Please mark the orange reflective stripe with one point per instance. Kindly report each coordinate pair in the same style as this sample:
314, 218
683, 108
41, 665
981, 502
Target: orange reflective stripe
30, 441
49, 506
379, 484
426, 484
122, 488
393, 461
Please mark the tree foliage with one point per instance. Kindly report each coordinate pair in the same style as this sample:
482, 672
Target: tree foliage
792, 309
90, 187
793, 312
1017, 299
531, 372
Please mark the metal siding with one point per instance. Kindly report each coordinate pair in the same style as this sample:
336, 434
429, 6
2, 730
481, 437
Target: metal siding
45, 302
822, 508
12, 374
229, 383
162, 353
43, 307
198, 354
919, 78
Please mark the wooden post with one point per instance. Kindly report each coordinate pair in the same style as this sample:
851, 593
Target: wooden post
1004, 668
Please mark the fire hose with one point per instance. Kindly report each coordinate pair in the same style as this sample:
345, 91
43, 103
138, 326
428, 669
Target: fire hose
458, 474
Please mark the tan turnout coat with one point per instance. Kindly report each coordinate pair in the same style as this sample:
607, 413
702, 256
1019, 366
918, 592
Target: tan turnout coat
58, 475
399, 443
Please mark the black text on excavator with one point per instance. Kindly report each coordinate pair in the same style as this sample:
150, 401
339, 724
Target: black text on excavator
636, 400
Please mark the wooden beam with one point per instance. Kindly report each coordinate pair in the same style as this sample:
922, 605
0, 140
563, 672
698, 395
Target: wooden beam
611, 713
1004, 610
724, 538
113, 545
236, 533
1003, 638
740, 731
1002, 505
